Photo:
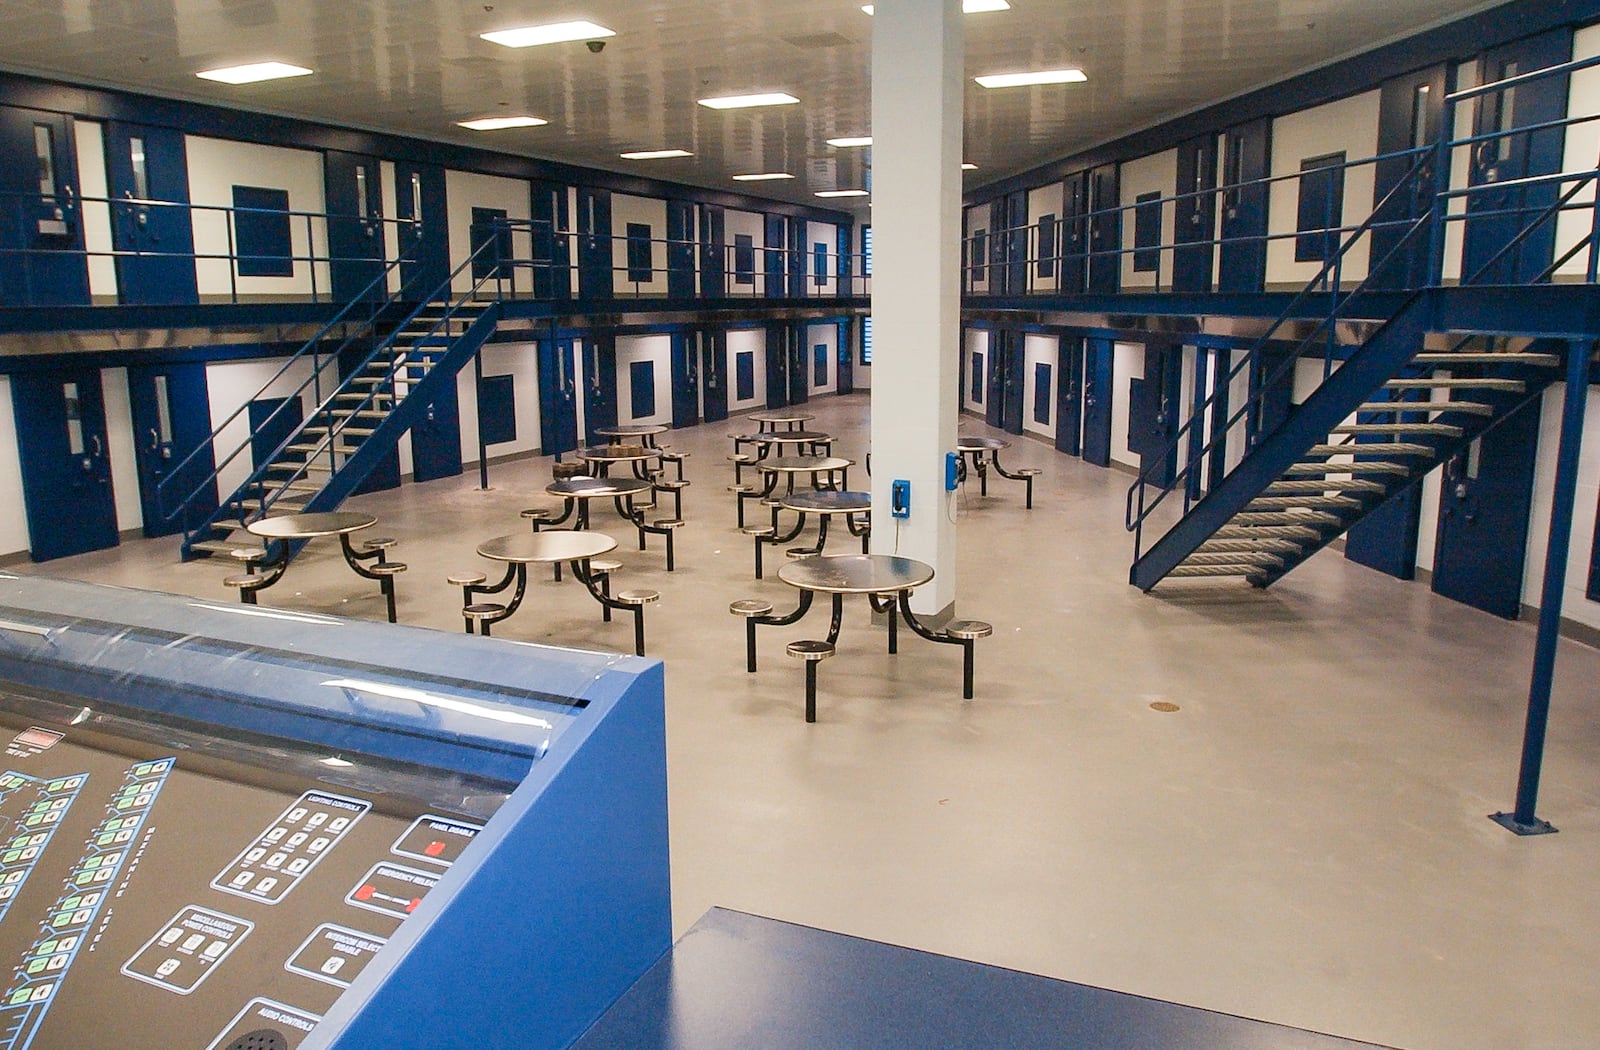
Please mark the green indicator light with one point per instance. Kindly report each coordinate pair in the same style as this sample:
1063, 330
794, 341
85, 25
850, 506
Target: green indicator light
13, 856
36, 966
20, 996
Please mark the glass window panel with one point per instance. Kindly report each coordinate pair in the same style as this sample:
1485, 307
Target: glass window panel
69, 394
163, 410
45, 151
141, 171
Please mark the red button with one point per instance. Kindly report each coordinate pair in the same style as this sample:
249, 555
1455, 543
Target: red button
365, 893
434, 849
413, 905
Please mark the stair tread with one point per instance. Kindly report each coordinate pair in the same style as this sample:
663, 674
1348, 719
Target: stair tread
1282, 546
1352, 467
1276, 532
1216, 570
1323, 485
1313, 500
1442, 429
1473, 357
1304, 519
1233, 558
1457, 383
1383, 448
1470, 407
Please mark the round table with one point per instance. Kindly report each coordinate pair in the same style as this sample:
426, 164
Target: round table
973, 444
282, 529
635, 456
579, 491
521, 549
644, 431
841, 574
826, 503
768, 420
768, 439
972, 447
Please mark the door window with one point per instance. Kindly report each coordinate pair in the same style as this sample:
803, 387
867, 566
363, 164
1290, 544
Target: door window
74, 414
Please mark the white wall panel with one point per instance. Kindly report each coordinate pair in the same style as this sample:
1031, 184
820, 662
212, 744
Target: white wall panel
1349, 125
752, 341
975, 361
1575, 602
215, 167
391, 209
1039, 350
1127, 364
1582, 152
465, 191
653, 213
13, 514
1154, 174
521, 362
1460, 164
232, 384
753, 226
822, 335
656, 349
120, 448
89, 137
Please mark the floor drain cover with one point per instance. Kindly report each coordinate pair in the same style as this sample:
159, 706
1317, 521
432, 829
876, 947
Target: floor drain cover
1163, 706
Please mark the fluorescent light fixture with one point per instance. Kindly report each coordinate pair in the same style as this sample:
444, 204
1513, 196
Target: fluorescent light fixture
770, 98
1044, 76
763, 177
967, 165
555, 33
656, 154
968, 7
863, 140
255, 71
444, 703
842, 193
499, 123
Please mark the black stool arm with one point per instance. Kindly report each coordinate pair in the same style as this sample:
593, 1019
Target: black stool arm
788, 618
922, 629
994, 458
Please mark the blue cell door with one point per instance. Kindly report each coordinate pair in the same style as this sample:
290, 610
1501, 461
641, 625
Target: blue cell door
1502, 209
844, 375
552, 262
1097, 392
685, 378
1153, 413
777, 365
714, 366
680, 249
775, 256
599, 378
1069, 395
171, 412
558, 396
1195, 217
1410, 113
41, 226
1012, 384
355, 225
1246, 153
422, 231
713, 246
436, 438
151, 226
595, 278
1486, 494
66, 462
798, 364
797, 258
994, 383
1074, 269
1105, 232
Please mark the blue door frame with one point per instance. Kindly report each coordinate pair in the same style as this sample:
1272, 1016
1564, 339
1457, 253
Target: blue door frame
599, 382
685, 378
66, 462
1195, 217
680, 249
155, 244
777, 364
1410, 114
1105, 232
797, 256
171, 412
595, 278
436, 438
1073, 271
423, 228
1246, 156
775, 256
558, 395
1153, 412
552, 262
714, 363
355, 223
1097, 398
845, 370
713, 251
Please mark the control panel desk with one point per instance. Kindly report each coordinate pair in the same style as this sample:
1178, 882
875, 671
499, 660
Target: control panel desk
231, 828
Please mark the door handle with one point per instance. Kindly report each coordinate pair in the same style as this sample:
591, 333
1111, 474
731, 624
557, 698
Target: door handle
155, 440
98, 448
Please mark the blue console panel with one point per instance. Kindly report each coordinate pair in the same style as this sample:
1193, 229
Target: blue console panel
224, 827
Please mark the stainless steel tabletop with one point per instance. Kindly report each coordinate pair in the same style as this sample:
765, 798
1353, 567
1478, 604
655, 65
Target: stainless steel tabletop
548, 546
309, 526
856, 573
803, 464
780, 417
617, 453
970, 443
587, 488
633, 430
828, 502
793, 437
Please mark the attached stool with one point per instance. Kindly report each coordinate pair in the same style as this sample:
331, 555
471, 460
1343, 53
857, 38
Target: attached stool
1029, 473
750, 608
812, 652
248, 583
638, 600
967, 632
676, 488
466, 581
379, 543
676, 459
762, 533
601, 570
386, 571
662, 527
482, 614
537, 517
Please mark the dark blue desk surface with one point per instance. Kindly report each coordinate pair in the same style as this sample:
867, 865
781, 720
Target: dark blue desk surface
741, 981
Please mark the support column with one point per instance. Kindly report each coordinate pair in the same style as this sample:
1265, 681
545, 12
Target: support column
1522, 819
917, 91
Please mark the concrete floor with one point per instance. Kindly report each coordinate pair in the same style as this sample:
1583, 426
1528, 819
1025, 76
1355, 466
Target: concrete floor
1303, 841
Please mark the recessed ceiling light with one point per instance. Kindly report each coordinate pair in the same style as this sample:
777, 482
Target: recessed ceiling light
1046, 76
864, 140
555, 33
763, 177
771, 98
967, 165
656, 154
253, 72
968, 7
500, 123
842, 193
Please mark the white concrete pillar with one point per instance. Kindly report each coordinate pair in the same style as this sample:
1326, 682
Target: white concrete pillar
916, 288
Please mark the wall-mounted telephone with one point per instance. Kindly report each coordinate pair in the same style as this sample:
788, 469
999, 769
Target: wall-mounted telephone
900, 499
952, 471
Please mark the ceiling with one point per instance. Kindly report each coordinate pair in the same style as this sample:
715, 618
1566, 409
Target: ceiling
415, 67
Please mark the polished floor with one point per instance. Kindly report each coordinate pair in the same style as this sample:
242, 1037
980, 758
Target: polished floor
1302, 840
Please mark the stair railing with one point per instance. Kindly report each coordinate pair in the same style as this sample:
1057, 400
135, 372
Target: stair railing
438, 331
1138, 508
348, 314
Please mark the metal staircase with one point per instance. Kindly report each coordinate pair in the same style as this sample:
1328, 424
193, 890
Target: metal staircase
393, 373
1406, 398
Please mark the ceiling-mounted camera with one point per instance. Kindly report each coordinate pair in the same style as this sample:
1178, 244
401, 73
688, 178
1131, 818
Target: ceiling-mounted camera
596, 46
